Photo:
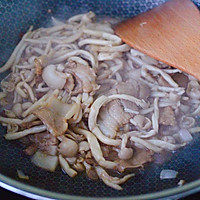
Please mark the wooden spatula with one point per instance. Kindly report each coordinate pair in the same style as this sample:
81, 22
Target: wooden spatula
169, 33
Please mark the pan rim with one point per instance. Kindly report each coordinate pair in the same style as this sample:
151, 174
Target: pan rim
42, 194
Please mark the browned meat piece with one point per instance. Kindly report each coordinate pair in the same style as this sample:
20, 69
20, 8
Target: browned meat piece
53, 113
55, 123
128, 105
38, 80
167, 116
129, 88
38, 67
112, 117
69, 86
74, 86
92, 174
30, 150
139, 158
30, 124
83, 74
116, 112
181, 79
43, 141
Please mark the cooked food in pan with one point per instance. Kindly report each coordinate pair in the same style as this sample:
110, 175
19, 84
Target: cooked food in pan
78, 97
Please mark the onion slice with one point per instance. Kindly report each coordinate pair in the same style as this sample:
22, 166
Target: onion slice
168, 174
185, 135
45, 161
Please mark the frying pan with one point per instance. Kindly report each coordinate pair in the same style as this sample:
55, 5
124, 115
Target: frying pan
15, 18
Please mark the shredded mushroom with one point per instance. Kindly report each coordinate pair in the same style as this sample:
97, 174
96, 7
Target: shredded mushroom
81, 98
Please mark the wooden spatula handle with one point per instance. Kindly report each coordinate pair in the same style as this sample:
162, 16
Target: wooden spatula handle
169, 33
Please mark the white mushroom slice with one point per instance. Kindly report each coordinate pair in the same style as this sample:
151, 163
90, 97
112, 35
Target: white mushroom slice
95, 148
30, 91
20, 91
155, 115
148, 134
83, 146
17, 109
21, 46
95, 41
110, 37
72, 160
20, 134
166, 76
53, 78
113, 182
70, 39
165, 145
193, 89
78, 60
82, 53
29, 118
2, 95
108, 56
64, 164
141, 121
10, 120
133, 99
45, 161
187, 122
120, 48
145, 143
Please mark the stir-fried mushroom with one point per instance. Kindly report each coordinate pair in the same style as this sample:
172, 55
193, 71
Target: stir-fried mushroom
139, 158
68, 148
78, 97
113, 182
96, 149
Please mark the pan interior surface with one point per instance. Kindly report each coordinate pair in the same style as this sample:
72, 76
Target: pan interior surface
15, 19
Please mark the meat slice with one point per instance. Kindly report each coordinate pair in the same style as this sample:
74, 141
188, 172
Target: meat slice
167, 116
84, 75
43, 139
112, 117
30, 150
134, 88
118, 113
181, 79
45, 142
128, 87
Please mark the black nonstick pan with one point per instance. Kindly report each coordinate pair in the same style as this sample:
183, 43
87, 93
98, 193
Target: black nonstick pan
15, 18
